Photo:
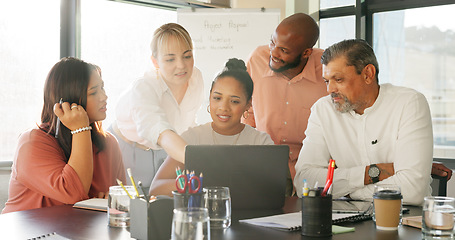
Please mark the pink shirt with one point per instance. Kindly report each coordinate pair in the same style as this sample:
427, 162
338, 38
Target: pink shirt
40, 177
281, 106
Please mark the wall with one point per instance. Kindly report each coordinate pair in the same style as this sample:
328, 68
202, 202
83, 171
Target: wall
281, 4
288, 7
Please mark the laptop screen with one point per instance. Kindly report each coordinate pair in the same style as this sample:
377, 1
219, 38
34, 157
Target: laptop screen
255, 174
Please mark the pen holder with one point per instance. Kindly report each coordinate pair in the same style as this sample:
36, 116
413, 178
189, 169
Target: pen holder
151, 220
187, 200
317, 216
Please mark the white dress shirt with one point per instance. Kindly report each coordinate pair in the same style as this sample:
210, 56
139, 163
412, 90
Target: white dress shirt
148, 108
396, 129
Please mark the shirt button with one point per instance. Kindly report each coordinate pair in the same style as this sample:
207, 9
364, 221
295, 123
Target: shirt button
284, 140
289, 83
287, 102
285, 123
290, 153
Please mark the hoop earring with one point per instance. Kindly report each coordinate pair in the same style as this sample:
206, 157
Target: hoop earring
208, 108
247, 114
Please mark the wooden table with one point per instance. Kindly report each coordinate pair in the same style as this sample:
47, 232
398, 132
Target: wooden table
85, 224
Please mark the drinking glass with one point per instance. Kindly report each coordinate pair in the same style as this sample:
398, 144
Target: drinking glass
190, 224
218, 203
118, 210
438, 218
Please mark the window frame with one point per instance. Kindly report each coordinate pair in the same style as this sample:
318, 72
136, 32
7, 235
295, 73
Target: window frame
363, 11
70, 20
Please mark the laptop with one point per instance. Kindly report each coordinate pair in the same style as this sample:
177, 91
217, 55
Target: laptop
255, 174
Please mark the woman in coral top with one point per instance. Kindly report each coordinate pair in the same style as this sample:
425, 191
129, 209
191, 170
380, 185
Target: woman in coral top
69, 157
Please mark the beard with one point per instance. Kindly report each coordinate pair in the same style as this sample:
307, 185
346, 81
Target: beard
344, 106
287, 66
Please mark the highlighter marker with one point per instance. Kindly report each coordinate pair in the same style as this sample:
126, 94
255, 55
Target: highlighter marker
305, 188
57, 126
329, 180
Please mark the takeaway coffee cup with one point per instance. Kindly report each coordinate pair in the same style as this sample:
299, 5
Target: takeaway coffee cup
387, 201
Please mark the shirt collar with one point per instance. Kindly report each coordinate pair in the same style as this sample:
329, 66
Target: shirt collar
372, 107
161, 82
163, 86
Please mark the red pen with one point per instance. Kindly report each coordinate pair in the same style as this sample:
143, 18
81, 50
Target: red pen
329, 180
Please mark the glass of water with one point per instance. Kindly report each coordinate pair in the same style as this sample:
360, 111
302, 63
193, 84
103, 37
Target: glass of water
118, 210
218, 203
438, 218
190, 224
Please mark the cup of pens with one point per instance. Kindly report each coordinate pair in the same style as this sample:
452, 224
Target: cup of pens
317, 214
189, 190
317, 207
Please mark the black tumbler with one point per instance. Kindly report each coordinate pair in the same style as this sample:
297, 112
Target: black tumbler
317, 216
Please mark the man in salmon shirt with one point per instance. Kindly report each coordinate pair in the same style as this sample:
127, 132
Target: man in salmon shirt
287, 76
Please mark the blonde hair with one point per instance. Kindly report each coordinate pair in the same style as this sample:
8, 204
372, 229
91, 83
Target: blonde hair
163, 35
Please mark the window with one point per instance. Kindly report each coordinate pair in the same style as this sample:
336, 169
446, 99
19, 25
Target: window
29, 47
323, 4
335, 30
118, 40
116, 36
416, 48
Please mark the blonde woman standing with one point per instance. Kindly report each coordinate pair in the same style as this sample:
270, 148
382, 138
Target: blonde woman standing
158, 107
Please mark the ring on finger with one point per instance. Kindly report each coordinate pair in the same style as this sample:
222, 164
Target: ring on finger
74, 106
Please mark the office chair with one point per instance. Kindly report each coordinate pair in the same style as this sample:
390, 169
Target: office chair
439, 185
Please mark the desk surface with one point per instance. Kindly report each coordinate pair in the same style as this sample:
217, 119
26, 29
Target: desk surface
85, 224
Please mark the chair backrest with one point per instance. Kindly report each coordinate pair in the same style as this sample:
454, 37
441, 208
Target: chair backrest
439, 185
5, 173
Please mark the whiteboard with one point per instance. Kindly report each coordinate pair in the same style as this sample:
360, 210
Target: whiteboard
220, 34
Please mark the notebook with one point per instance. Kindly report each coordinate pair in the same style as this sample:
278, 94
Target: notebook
413, 221
255, 174
97, 204
52, 235
293, 221
351, 206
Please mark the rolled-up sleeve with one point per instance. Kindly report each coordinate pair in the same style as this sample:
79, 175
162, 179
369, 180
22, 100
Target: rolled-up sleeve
40, 167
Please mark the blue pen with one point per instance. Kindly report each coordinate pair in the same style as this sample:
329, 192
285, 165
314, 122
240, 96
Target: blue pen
193, 182
200, 179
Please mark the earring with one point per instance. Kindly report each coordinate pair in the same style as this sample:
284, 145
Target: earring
247, 114
208, 108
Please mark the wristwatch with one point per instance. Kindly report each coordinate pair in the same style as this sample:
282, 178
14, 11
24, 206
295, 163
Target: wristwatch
374, 172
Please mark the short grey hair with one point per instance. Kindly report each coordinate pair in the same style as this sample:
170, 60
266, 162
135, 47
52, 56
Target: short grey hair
358, 53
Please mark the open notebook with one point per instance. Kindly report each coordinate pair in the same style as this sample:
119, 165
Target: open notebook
97, 204
293, 221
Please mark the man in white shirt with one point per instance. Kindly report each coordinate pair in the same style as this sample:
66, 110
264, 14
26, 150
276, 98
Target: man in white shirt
375, 133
